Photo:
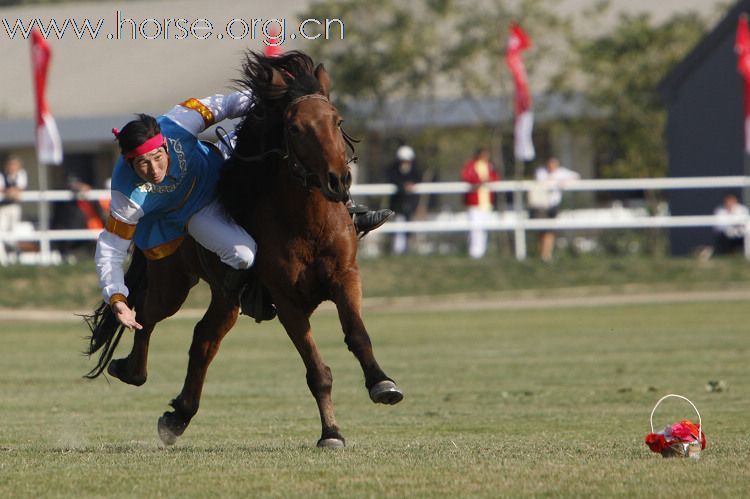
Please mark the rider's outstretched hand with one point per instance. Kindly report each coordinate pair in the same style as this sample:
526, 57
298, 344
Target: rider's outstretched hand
125, 315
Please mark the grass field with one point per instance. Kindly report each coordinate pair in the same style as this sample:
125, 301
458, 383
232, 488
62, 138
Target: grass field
551, 402
34, 287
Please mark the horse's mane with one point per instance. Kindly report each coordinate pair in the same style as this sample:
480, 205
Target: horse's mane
295, 67
241, 182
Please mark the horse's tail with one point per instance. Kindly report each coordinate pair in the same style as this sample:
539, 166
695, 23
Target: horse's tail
105, 330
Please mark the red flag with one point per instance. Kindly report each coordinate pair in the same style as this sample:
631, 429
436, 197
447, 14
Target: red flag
742, 47
273, 44
518, 41
48, 144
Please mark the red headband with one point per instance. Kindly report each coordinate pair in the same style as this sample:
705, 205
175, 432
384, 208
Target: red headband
154, 142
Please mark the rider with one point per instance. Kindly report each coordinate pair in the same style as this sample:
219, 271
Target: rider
163, 189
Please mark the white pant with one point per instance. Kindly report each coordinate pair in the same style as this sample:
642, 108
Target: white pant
10, 215
478, 236
400, 239
215, 231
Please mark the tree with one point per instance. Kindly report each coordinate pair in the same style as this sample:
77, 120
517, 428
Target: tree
395, 50
621, 71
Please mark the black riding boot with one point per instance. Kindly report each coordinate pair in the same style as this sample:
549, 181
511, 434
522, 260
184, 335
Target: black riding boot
366, 220
255, 300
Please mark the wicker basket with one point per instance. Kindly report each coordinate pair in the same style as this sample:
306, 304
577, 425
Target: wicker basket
691, 448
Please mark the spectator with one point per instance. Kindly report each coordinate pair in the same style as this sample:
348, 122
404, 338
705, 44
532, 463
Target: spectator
13, 180
730, 236
545, 199
479, 201
404, 172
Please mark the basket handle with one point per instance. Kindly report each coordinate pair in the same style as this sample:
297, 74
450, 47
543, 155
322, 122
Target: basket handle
700, 425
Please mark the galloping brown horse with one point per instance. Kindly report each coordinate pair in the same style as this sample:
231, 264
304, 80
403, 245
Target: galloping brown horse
284, 184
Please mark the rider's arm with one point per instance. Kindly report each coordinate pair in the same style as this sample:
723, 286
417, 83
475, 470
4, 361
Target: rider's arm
195, 115
112, 247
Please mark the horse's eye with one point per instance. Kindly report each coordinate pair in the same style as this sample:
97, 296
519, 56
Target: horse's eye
294, 129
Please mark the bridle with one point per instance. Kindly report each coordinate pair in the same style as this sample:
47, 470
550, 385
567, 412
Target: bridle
296, 166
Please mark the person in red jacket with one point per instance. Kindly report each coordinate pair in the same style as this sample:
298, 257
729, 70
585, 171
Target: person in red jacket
478, 171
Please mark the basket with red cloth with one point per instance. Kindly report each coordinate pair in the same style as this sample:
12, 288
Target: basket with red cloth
683, 439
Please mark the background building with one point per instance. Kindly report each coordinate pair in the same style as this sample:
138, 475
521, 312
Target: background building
705, 131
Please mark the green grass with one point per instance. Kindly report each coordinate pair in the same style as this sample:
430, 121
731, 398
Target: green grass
548, 402
75, 287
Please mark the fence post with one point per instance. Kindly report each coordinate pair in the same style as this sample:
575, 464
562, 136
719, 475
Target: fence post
44, 218
519, 230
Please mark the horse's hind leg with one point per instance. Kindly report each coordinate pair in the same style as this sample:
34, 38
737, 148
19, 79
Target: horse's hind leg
348, 297
215, 324
319, 378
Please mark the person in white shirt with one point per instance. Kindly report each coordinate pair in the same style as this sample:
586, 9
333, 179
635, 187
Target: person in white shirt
13, 181
552, 178
730, 235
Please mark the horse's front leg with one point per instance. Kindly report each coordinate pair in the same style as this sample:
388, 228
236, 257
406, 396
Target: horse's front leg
132, 369
169, 283
215, 324
348, 298
319, 378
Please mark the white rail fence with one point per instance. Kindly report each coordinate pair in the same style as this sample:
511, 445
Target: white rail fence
515, 219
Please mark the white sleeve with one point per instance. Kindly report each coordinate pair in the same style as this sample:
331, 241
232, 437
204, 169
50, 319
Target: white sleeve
22, 180
111, 251
124, 209
195, 115
562, 174
113, 243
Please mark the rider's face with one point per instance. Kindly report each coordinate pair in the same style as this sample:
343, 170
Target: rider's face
152, 166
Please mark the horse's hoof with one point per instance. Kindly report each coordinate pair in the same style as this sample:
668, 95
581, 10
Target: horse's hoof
118, 369
386, 392
331, 443
167, 436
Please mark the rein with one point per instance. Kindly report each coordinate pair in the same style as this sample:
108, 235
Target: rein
296, 167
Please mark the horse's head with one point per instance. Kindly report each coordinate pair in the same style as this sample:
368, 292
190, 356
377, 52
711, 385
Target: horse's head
314, 139
292, 113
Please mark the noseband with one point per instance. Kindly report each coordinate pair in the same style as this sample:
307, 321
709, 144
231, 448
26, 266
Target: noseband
296, 167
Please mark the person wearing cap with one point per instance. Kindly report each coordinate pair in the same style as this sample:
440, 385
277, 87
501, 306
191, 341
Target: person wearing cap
404, 172
163, 189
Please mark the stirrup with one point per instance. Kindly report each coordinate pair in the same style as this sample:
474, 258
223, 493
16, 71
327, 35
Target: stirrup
254, 299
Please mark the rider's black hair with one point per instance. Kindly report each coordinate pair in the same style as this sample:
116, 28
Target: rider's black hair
137, 132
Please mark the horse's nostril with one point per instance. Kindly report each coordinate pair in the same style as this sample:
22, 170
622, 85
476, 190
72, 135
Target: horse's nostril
347, 180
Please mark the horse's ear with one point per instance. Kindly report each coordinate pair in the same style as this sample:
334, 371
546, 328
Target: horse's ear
277, 79
325, 80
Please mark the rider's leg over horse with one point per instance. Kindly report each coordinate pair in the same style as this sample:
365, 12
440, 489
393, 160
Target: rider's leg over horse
213, 229
207, 335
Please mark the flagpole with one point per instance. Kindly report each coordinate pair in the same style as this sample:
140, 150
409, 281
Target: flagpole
520, 231
48, 144
518, 41
43, 211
